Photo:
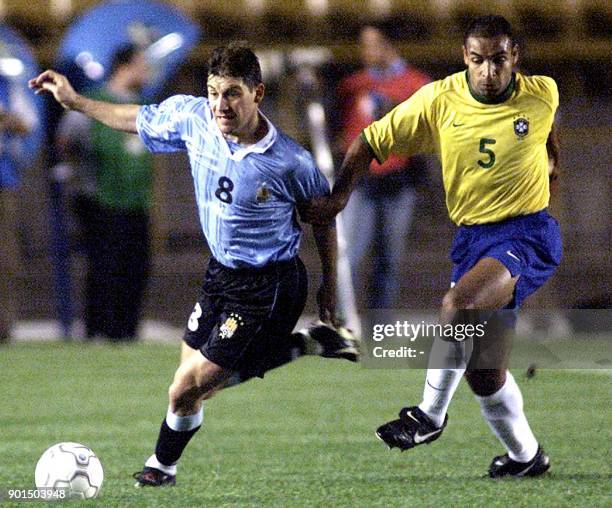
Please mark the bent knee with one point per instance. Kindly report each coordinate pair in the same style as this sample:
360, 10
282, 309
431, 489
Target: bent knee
485, 382
456, 299
178, 391
196, 380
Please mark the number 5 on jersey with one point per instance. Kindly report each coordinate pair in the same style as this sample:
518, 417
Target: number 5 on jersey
487, 163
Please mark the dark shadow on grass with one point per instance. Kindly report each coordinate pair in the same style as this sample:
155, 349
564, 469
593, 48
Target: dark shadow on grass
578, 476
427, 478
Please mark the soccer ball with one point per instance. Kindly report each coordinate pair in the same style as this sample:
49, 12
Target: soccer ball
71, 467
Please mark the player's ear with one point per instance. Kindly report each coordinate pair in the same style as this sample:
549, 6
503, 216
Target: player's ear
259, 92
515, 54
466, 60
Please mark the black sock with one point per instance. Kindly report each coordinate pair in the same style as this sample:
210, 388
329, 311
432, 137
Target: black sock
171, 443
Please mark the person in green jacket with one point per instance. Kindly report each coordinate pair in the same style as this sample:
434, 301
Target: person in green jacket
112, 200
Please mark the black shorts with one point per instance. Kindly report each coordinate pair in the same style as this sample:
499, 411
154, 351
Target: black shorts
244, 317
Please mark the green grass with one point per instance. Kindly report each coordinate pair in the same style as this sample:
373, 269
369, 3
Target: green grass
302, 437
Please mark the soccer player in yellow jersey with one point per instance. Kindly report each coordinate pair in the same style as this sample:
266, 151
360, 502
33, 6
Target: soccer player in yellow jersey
492, 129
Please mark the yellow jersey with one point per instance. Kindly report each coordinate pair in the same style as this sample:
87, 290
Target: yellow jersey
493, 153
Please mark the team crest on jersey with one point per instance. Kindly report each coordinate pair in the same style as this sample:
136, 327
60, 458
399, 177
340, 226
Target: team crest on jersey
263, 193
230, 326
521, 126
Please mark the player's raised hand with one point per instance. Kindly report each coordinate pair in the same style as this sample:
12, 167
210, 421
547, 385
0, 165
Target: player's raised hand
56, 84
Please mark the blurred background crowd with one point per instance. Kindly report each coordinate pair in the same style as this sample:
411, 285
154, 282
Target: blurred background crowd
96, 236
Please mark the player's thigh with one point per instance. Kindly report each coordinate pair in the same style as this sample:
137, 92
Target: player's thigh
269, 340
488, 285
187, 352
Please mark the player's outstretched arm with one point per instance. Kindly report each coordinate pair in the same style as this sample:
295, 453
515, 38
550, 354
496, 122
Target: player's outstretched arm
327, 247
355, 165
116, 116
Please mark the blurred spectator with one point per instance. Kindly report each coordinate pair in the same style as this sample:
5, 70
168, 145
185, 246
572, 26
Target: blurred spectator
111, 196
380, 209
17, 119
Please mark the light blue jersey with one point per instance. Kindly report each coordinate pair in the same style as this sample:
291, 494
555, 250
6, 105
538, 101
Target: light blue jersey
246, 196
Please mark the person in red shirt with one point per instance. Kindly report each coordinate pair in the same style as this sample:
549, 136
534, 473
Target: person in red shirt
381, 207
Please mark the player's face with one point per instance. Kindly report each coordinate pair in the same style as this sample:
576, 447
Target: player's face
140, 71
234, 105
373, 47
490, 61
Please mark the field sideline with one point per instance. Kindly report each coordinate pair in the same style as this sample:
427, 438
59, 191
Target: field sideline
302, 437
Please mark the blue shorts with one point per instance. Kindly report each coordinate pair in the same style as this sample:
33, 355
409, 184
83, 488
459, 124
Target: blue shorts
528, 246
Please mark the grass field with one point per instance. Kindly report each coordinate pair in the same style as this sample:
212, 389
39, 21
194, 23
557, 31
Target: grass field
302, 437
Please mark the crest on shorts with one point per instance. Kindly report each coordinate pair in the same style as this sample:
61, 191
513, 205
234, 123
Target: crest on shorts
263, 193
230, 326
521, 126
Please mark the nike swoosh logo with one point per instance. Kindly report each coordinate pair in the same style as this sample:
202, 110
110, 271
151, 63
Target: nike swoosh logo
525, 471
512, 255
457, 124
419, 438
409, 414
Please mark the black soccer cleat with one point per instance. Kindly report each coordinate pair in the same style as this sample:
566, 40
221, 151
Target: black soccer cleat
412, 429
333, 342
505, 466
151, 477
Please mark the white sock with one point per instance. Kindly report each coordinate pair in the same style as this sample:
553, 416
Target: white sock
504, 413
440, 386
447, 363
153, 462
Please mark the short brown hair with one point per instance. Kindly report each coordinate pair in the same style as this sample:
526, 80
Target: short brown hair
236, 60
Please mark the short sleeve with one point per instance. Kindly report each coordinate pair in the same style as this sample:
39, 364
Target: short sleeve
553, 91
405, 130
307, 181
165, 127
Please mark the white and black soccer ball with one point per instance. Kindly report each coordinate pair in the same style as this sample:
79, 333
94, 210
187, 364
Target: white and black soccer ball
72, 467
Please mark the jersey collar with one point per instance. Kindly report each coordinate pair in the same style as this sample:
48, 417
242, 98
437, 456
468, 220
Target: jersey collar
260, 147
503, 97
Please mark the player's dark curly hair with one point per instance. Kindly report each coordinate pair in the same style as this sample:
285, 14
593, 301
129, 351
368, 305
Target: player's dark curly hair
489, 26
236, 60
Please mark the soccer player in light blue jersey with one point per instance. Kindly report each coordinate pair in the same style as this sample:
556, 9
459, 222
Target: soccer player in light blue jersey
249, 180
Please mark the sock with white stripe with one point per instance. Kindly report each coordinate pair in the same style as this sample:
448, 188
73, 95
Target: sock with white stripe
504, 413
174, 435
